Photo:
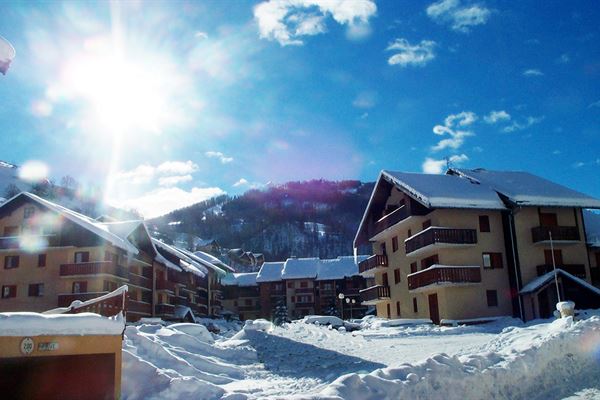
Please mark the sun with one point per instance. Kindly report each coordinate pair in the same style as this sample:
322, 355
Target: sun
123, 90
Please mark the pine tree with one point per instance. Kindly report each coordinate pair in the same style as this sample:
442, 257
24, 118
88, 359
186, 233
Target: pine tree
280, 313
332, 310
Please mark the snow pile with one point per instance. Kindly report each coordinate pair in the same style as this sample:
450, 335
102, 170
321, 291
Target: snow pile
372, 322
258, 325
34, 324
198, 331
547, 360
170, 363
323, 320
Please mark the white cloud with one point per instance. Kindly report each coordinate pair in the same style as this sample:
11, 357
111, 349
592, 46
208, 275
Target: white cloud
177, 167
564, 59
409, 54
174, 180
217, 154
433, 166
241, 182
457, 136
163, 200
460, 17
141, 174
578, 164
287, 21
365, 100
595, 104
41, 108
519, 126
496, 116
533, 72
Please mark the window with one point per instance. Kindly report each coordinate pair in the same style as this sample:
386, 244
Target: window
395, 244
278, 287
327, 286
398, 308
11, 262
413, 267
235, 303
109, 286
36, 290
41, 260
108, 256
248, 302
293, 299
492, 260
548, 219
9, 291
558, 259
484, 223
28, 212
290, 285
82, 256
409, 233
427, 224
11, 231
429, 261
389, 312
415, 307
81, 287
384, 279
397, 276
492, 298
303, 284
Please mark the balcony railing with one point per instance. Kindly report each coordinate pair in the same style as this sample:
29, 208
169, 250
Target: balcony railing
559, 233
141, 281
249, 308
375, 293
165, 285
65, 300
305, 290
202, 300
165, 309
574, 269
390, 219
94, 268
139, 307
179, 300
434, 235
440, 274
375, 261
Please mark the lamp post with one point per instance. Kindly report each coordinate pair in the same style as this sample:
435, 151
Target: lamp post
341, 297
351, 302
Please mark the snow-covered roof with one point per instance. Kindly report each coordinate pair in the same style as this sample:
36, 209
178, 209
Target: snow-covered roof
300, 268
541, 281
592, 227
185, 262
270, 272
523, 188
241, 279
122, 228
203, 262
213, 260
83, 221
34, 324
444, 191
339, 268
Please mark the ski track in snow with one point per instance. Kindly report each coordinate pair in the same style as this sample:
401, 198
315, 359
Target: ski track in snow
537, 360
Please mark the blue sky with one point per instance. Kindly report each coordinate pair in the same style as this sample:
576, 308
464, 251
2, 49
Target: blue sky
165, 104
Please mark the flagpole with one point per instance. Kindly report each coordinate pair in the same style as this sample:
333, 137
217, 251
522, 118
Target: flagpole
554, 266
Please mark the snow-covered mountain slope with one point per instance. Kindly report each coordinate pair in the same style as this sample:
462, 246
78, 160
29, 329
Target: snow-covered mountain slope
9, 175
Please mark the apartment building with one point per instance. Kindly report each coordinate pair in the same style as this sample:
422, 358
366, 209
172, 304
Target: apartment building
53, 256
306, 286
473, 244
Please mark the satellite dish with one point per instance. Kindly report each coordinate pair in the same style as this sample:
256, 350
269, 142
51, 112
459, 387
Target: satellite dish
7, 53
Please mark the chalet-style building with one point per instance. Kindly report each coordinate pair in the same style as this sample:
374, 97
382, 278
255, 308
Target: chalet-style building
304, 285
474, 244
53, 256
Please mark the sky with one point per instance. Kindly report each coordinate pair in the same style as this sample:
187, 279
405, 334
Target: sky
164, 104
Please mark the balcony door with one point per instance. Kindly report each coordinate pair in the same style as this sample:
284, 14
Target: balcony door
385, 279
557, 257
548, 219
434, 311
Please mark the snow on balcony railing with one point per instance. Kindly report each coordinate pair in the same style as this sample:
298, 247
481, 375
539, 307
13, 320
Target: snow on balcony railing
442, 274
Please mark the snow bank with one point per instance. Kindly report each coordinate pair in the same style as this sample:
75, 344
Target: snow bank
548, 360
34, 324
323, 320
258, 325
371, 322
196, 330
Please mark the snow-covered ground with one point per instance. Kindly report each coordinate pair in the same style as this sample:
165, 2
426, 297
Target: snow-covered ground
505, 359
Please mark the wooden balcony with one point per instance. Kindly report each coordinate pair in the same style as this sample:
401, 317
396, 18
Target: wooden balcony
305, 290
165, 285
179, 300
16, 242
94, 268
165, 309
65, 300
574, 269
141, 281
368, 267
560, 234
389, 220
139, 307
202, 300
374, 295
249, 308
444, 275
440, 237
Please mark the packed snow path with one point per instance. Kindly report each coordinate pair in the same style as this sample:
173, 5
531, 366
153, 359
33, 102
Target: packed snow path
543, 360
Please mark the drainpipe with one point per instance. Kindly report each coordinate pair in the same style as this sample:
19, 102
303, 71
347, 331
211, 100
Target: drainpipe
514, 254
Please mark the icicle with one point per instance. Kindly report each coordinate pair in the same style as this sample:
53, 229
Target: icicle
355, 251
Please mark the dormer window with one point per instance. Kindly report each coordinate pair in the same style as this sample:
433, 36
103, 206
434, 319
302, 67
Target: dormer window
28, 212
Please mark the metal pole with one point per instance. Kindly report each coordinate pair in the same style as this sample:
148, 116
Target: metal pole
554, 266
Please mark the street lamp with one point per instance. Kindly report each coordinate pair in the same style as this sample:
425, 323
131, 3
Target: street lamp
341, 297
351, 302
